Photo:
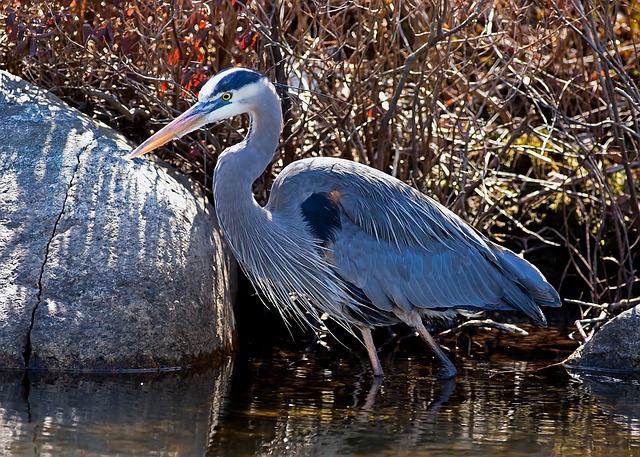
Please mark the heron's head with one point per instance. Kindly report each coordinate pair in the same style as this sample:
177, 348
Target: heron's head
231, 92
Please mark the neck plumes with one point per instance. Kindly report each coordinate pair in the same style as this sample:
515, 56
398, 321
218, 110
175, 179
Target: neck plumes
279, 259
239, 166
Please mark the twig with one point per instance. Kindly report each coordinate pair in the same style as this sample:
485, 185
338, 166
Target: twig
485, 323
434, 38
611, 308
113, 102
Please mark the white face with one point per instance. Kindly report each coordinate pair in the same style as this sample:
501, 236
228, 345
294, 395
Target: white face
232, 92
206, 92
226, 95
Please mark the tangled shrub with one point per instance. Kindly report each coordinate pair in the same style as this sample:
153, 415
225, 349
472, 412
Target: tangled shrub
521, 116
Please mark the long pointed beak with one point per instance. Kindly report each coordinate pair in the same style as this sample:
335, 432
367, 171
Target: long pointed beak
190, 120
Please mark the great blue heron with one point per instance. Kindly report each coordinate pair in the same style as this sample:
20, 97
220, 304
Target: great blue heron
341, 238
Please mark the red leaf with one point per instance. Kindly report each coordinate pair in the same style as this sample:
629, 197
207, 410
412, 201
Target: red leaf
13, 33
10, 20
239, 5
199, 55
87, 32
164, 87
22, 44
248, 40
109, 32
196, 81
125, 45
184, 79
174, 57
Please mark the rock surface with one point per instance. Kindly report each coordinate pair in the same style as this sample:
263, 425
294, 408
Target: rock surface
615, 348
105, 263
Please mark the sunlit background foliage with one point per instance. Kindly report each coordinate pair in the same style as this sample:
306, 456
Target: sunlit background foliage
520, 116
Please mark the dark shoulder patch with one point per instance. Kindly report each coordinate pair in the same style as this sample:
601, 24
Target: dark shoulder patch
323, 216
237, 78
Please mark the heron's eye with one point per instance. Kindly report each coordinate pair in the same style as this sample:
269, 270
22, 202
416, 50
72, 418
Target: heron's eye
226, 96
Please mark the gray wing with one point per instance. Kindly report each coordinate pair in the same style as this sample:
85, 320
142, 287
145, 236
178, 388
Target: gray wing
396, 247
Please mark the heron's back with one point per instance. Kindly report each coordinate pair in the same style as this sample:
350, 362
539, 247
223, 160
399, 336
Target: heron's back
393, 246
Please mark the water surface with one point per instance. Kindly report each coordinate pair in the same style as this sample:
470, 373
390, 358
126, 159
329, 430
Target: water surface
280, 401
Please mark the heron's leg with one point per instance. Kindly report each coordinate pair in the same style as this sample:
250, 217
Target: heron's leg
373, 353
413, 319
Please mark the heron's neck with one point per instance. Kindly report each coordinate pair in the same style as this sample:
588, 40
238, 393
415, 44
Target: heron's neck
240, 165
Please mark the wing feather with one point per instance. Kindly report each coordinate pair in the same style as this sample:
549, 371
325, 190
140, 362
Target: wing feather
402, 248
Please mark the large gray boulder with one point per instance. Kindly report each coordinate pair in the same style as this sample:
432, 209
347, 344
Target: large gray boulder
105, 263
615, 348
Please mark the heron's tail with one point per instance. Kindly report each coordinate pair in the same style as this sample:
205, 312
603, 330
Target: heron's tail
529, 289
